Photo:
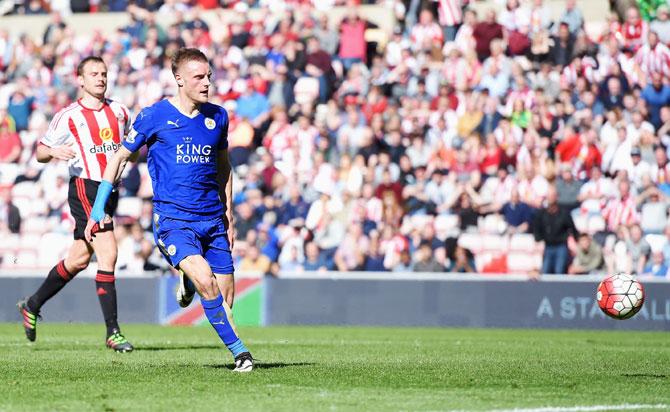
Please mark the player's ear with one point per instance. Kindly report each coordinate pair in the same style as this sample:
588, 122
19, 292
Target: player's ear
180, 81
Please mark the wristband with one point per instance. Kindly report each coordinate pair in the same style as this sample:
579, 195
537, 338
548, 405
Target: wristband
98, 210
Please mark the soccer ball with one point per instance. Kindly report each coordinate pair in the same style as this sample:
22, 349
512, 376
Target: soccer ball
620, 296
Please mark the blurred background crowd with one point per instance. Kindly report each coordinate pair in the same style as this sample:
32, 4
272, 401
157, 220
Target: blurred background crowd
457, 138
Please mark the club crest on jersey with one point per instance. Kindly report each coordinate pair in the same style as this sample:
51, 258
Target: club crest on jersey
130, 138
172, 250
210, 123
106, 134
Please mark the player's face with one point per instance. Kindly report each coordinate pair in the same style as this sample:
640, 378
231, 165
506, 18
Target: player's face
194, 76
94, 79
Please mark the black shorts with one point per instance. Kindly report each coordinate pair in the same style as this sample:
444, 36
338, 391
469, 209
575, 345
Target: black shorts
81, 197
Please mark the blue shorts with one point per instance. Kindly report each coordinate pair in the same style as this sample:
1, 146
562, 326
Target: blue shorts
177, 239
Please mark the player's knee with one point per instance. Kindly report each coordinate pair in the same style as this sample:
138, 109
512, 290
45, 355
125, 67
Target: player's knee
229, 298
206, 285
78, 264
228, 293
107, 261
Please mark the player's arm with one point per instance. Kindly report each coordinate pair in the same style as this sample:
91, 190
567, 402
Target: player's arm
56, 143
112, 174
136, 138
127, 129
118, 163
44, 153
225, 178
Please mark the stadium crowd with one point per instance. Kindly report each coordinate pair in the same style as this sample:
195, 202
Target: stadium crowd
460, 141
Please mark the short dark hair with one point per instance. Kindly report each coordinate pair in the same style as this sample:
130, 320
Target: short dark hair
83, 63
425, 243
186, 54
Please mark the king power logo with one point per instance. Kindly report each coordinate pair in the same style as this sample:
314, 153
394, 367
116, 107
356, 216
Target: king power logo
189, 152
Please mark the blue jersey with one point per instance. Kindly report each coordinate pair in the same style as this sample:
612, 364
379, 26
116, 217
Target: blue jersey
182, 158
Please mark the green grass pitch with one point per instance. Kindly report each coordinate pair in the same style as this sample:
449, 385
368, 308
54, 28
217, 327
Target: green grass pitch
329, 368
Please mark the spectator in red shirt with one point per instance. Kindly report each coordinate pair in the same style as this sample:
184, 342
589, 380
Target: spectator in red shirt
353, 48
490, 157
582, 149
634, 31
10, 143
568, 148
388, 185
375, 103
485, 32
446, 93
208, 4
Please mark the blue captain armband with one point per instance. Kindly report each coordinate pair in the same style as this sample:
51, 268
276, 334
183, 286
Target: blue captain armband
98, 210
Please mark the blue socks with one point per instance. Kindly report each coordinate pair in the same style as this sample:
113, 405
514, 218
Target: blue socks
218, 318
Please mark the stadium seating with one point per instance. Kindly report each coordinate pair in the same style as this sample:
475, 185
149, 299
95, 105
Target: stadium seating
453, 114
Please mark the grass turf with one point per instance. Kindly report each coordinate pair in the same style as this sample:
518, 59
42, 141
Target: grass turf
321, 368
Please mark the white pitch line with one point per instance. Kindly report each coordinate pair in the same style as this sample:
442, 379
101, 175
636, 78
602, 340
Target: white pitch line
594, 408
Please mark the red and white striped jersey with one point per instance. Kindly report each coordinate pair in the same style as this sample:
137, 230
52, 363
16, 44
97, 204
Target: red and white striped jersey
634, 35
424, 35
95, 135
587, 70
620, 212
449, 12
653, 60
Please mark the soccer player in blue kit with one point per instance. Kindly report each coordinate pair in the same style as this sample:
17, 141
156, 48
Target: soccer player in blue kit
192, 179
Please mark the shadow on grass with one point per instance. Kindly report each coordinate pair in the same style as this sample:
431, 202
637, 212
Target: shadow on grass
137, 348
178, 347
264, 365
645, 375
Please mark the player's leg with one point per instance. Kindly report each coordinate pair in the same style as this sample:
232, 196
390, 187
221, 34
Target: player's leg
104, 245
216, 309
244, 362
78, 257
220, 260
185, 291
77, 260
217, 253
227, 287
180, 244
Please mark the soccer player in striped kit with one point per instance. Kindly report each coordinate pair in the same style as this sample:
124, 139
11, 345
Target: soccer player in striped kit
86, 134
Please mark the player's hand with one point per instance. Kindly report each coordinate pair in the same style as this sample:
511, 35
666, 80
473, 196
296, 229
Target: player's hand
88, 235
64, 152
230, 229
231, 237
93, 226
